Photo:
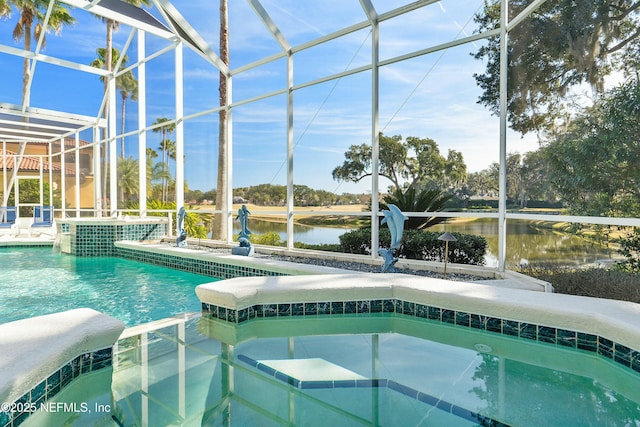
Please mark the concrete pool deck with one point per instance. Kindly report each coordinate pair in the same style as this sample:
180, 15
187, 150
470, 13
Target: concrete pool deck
487, 276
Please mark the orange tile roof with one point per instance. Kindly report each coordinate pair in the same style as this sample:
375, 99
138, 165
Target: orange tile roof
30, 164
68, 142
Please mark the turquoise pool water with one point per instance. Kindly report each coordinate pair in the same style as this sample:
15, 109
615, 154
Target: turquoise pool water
384, 370
37, 281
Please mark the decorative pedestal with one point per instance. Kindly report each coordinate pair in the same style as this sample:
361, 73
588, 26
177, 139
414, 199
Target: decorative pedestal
243, 250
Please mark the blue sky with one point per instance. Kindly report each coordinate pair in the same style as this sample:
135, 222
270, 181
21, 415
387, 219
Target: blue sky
430, 96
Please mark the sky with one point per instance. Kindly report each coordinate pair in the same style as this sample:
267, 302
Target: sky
431, 96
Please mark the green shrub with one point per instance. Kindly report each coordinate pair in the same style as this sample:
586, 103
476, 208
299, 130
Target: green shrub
329, 247
592, 282
271, 239
419, 244
630, 249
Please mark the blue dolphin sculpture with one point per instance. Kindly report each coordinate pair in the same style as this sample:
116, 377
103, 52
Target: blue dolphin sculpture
181, 241
389, 260
394, 218
243, 217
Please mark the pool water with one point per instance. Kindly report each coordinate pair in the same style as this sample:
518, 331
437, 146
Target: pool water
37, 281
384, 370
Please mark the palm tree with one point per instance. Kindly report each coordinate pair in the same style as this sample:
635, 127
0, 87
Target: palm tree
31, 11
410, 200
126, 82
128, 178
155, 171
128, 86
167, 127
220, 223
111, 27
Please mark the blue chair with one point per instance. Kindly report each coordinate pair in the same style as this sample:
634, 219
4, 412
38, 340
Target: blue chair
42, 216
42, 220
8, 220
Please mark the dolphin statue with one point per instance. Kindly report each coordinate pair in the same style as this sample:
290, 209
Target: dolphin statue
395, 221
389, 220
389, 260
243, 217
181, 241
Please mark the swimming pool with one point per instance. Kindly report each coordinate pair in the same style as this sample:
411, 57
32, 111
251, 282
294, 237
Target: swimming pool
36, 281
378, 370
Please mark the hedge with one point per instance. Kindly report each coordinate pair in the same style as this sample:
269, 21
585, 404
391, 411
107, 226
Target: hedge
420, 244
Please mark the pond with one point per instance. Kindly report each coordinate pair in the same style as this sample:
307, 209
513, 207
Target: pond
526, 243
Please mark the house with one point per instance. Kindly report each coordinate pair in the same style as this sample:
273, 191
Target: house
42, 161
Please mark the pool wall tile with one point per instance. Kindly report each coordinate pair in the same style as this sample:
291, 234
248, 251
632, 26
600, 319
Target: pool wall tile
463, 319
547, 334
363, 307
196, 266
388, 306
422, 311
528, 331
311, 309
350, 307
92, 240
587, 342
434, 313
337, 308
449, 316
494, 325
376, 306
5, 419
605, 347
622, 354
478, 322
284, 310
510, 327
567, 338
56, 382
324, 308
635, 361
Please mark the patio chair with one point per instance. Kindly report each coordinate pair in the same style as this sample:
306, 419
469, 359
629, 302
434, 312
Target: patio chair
42, 221
8, 221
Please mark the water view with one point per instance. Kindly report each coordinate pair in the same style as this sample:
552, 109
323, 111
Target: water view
526, 243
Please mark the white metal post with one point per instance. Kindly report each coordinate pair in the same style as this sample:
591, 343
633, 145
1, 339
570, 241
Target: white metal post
51, 182
4, 172
113, 155
77, 192
375, 133
290, 204
63, 181
229, 189
97, 173
502, 196
179, 187
142, 124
